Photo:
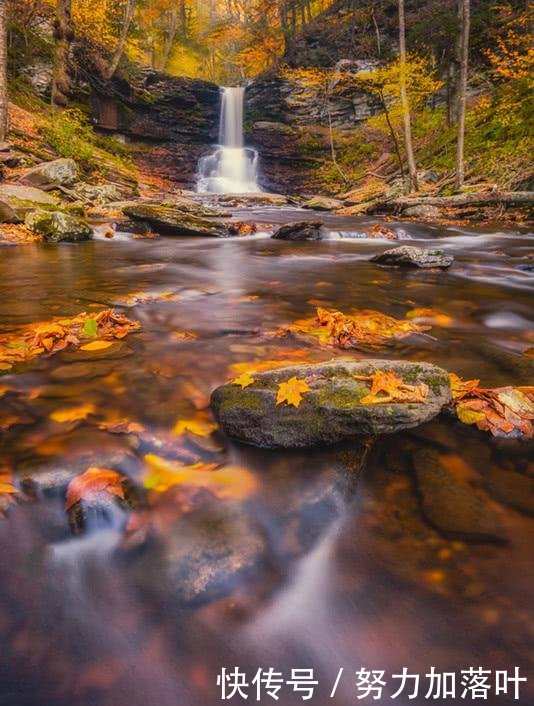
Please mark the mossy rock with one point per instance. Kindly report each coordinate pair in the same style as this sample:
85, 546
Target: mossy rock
57, 227
332, 410
172, 221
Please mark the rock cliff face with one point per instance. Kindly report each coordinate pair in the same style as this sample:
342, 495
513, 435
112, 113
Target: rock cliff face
172, 120
288, 123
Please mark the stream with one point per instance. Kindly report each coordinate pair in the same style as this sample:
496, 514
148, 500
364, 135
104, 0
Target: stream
346, 571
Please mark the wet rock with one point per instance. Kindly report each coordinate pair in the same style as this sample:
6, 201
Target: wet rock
253, 200
172, 221
58, 227
409, 256
322, 203
511, 488
194, 207
60, 172
451, 505
211, 550
331, 411
301, 231
525, 268
424, 211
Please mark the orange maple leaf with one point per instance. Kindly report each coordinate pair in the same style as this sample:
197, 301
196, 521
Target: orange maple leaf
291, 392
93, 482
244, 381
387, 387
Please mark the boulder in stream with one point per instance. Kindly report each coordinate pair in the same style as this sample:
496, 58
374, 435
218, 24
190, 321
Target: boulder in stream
172, 221
301, 231
409, 256
57, 227
23, 199
331, 411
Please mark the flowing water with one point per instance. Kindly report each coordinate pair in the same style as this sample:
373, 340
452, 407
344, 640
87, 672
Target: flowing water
348, 573
232, 167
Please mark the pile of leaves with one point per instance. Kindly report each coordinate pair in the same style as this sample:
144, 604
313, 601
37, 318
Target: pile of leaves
50, 337
388, 387
17, 235
242, 228
503, 411
364, 327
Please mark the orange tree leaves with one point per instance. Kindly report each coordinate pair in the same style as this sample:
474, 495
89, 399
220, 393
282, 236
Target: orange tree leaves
387, 387
92, 483
363, 327
291, 392
50, 337
501, 411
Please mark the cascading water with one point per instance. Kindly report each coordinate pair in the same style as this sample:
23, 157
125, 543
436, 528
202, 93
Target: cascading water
232, 168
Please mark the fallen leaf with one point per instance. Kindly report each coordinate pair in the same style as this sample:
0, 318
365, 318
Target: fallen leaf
291, 392
72, 414
228, 482
244, 381
200, 425
96, 346
388, 387
93, 482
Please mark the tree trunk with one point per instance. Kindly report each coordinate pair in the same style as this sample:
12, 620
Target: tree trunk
4, 99
405, 103
119, 51
63, 33
170, 36
462, 93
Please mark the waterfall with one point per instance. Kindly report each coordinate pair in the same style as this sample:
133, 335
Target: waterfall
232, 168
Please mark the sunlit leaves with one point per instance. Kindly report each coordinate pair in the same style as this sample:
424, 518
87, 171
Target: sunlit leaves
291, 392
228, 482
388, 387
363, 327
50, 337
245, 380
200, 425
72, 414
94, 482
502, 411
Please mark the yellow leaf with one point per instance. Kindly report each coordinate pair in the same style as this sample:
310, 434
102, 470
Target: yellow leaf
469, 416
200, 425
230, 482
244, 380
96, 346
72, 414
291, 392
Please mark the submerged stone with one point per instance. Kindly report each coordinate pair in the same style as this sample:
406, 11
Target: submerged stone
409, 256
332, 410
451, 505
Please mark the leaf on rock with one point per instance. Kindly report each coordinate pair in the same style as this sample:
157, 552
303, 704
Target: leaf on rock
96, 346
245, 380
388, 387
90, 328
93, 482
291, 392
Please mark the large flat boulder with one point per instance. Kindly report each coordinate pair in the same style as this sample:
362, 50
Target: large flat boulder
172, 221
60, 172
22, 198
332, 410
322, 203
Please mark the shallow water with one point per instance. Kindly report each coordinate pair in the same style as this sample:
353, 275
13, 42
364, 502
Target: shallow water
351, 575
